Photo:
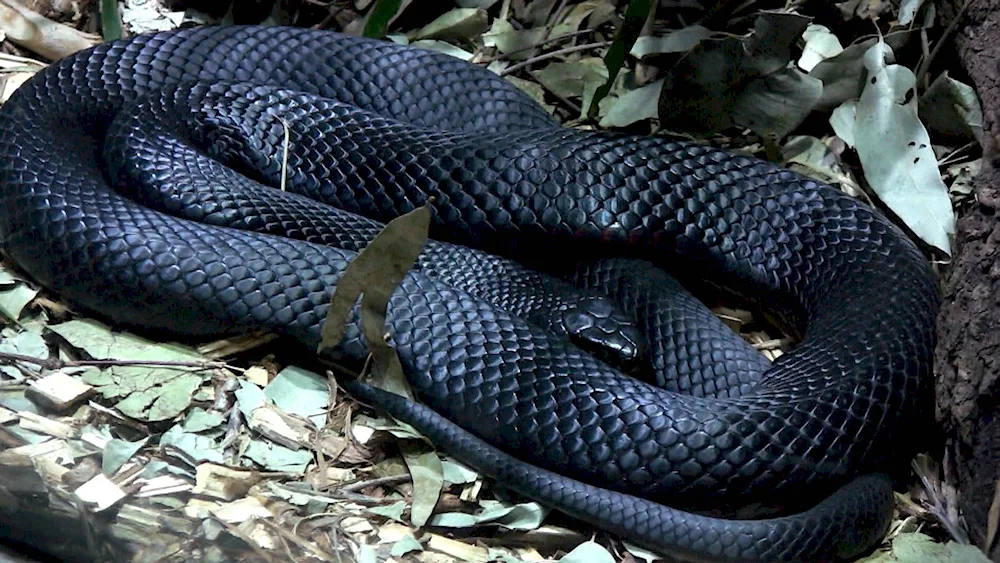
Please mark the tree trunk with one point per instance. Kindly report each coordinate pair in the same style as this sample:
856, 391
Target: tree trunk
968, 353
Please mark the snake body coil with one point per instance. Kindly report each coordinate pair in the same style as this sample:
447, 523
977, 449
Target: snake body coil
375, 129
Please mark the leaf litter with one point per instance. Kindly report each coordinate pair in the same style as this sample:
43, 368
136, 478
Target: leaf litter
266, 461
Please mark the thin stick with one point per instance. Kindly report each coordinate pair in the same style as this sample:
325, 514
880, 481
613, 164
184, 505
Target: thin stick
504, 9
552, 55
562, 99
377, 482
556, 39
55, 363
926, 65
556, 16
956, 155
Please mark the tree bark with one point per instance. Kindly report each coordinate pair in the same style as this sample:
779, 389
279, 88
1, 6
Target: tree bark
967, 360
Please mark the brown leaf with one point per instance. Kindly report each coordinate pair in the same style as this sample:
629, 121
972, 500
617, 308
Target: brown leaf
374, 275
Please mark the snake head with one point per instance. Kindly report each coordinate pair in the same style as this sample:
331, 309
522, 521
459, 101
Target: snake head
600, 328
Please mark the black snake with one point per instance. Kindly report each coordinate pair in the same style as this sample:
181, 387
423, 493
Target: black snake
189, 122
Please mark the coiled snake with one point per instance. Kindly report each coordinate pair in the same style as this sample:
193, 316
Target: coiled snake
189, 122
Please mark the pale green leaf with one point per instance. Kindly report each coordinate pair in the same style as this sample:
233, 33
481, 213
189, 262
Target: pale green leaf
569, 79
635, 105
160, 397
820, 45
145, 392
14, 295
249, 398
199, 420
367, 554
506, 39
777, 103
908, 10
24, 344
393, 511
28, 436
7, 279
951, 109
273, 457
297, 493
457, 474
578, 79
534, 90
844, 119
16, 401
443, 47
460, 23
588, 552
896, 154
843, 76
300, 392
915, 547
117, 453
524, 516
154, 468
428, 479
405, 545
37, 323
398, 38
577, 14
198, 447
679, 41
101, 342
394, 427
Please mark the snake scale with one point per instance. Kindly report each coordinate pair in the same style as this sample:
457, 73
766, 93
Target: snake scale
127, 185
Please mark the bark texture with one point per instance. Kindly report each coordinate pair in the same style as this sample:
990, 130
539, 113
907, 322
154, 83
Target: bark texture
968, 354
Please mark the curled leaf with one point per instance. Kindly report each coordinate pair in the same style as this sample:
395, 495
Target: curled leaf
820, 45
746, 82
374, 275
951, 109
896, 153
